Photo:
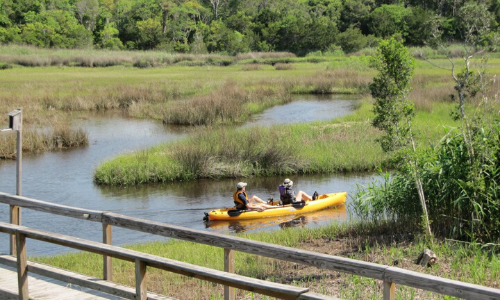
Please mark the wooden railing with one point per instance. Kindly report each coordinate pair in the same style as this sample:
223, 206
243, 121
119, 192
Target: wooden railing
389, 275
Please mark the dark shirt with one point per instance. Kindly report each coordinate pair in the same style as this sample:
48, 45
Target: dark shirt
287, 195
243, 199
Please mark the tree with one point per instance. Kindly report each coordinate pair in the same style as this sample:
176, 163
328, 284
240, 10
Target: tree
393, 110
473, 22
351, 40
87, 11
216, 6
387, 20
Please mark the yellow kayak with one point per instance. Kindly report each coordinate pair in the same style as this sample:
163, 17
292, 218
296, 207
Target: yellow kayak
323, 201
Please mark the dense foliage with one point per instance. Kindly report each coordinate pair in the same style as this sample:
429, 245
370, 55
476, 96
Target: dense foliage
232, 26
462, 191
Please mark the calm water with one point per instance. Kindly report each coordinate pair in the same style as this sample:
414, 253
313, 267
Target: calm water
65, 177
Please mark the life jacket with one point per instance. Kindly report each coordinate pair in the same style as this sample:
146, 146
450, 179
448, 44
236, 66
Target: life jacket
287, 195
237, 202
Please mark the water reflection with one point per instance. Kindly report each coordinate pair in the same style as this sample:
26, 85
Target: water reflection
307, 108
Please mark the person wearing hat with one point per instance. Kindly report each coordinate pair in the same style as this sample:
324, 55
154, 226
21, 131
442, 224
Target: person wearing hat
287, 194
242, 201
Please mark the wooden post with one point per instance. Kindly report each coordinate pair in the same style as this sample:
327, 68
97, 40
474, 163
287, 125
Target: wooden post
389, 290
22, 266
107, 265
15, 218
15, 211
140, 280
229, 267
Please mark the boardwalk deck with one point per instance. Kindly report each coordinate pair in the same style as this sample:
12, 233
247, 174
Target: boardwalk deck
46, 288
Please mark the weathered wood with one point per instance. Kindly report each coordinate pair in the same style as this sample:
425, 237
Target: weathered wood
80, 280
8, 295
107, 261
52, 208
246, 283
229, 293
440, 285
315, 296
314, 259
140, 280
15, 218
389, 291
385, 273
22, 266
43, 288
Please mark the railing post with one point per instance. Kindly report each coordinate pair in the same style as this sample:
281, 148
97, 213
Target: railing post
107, 265
22, 266
389, 290
15, 218
15, 211
140, 280
229, 267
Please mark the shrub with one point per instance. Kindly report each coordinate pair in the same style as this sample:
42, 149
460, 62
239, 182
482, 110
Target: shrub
462, 189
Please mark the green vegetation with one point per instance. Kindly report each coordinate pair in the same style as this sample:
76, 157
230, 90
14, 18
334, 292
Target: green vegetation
235, 26
385, 243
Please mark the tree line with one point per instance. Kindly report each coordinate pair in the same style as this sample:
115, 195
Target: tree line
234, 26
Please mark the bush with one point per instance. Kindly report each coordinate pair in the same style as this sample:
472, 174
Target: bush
352, 40
462, 189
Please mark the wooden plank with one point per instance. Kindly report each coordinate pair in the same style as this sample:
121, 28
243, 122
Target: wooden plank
246, 283
80, 280
140, 280
440, 285
8, 295
310, 258
42, 288
229, 293
315, 296
107, 262
389, 291
15, 218
22, 267
52, 208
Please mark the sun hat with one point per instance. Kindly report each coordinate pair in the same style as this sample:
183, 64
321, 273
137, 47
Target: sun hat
241, 185
287, 183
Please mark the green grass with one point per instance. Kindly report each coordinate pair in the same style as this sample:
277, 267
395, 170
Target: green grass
382, 243
344, 145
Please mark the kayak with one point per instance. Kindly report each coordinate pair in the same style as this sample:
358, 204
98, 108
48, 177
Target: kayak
323, 216
321, 202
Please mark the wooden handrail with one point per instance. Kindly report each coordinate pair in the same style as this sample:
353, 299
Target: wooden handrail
390, 275
142, 260
79, 279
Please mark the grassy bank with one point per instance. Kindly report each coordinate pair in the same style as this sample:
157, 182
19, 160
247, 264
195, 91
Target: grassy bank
342, 145
383, 243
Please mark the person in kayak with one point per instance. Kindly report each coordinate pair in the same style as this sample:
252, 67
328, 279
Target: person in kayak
287, 194
242, 202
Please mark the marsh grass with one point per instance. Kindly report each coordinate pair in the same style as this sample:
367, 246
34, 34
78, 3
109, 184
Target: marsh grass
251, 67
281, 66
61, 136
333, 81
230, 104
30, 56
384, 243
322, 147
